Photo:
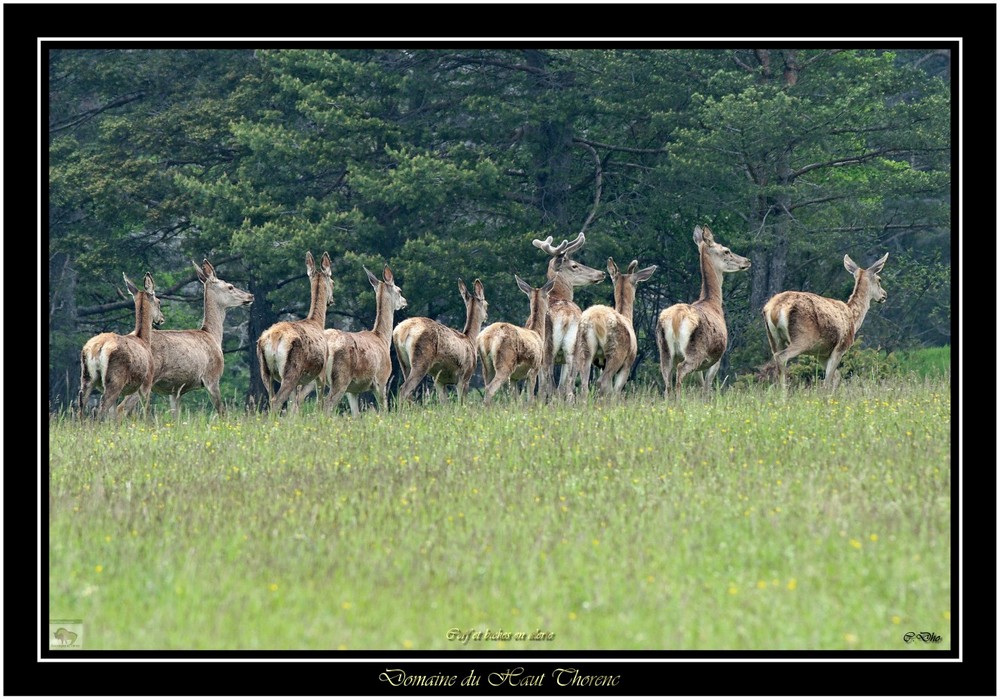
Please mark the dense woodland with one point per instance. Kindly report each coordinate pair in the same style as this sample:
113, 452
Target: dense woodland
446, 163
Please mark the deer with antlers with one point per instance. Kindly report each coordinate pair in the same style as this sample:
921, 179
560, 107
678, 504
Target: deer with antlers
693, 337
563, 320
120, 365
606, 335
511, 353
185, 360
427, 347
801, 323
360, 361
293, 353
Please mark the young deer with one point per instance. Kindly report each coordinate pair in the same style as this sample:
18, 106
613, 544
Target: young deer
563, 320
693, 337
512, 353
294, 352
800, 323
607, 334
360, 361
184, 360
120, 365
424, 346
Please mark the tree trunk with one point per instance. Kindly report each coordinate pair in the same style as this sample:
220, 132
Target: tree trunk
262, 317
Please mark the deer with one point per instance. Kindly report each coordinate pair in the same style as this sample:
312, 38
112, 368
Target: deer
693, 337
607, 334
185, 360
512, 353
802, 323
563, 319
427, 347
359, 361
120, 365
294, 352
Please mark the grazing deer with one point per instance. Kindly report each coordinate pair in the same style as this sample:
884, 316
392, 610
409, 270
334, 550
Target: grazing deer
120, 365
693, 337
294, 352
607, 335
184, 360
427, 347
512, 353
801, 323
360, 361
563, 320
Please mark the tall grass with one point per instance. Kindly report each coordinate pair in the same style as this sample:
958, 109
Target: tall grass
747, 520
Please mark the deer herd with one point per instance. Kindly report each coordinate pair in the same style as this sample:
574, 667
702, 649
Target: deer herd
304, 356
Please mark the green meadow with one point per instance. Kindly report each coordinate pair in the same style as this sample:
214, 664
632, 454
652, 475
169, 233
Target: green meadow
745, 520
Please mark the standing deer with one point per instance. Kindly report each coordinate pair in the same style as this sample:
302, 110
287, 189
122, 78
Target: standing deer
801, 323
693, 337
360, 361
184, 360
424, 346
120, 365
294, 352
563, 319
607, 335
512, 353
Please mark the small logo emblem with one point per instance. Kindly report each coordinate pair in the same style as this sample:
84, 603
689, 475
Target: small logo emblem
65, 634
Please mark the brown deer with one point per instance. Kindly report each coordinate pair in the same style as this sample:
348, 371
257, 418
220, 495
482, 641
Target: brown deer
563, 320
801, 323
120, 365
512, 353
693, 337
294, 352
427, 347
360, 361
184, 360
607, 335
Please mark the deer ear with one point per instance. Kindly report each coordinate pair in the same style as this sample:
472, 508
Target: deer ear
477, 287
387, 275
147, 283
372, 279
877, 267
699, 235
202, 276
130, 285
310, 264
547, 287
209, 270
850, 265
631, 267
645, 273
326, 264
462, 290
612, 268
522, 285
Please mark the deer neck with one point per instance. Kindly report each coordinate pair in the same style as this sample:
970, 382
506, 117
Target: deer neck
215, 314
625, 299
536, 317
318, 301
473, 321
711, 282
383, 314
561, 290
860, 302
143, 316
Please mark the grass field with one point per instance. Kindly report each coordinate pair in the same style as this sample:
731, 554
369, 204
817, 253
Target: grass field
742, 521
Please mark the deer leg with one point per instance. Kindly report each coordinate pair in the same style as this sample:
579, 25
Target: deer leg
666, 366
416, 375
781, 358
831, 377
352, 401
709, 374
289, 383
442, 391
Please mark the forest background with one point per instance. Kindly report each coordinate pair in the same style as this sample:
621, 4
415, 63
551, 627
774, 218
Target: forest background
446, 163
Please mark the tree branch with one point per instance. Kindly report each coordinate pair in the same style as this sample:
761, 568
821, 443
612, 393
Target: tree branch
91, 113
863, 158
598, 181
624, 149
